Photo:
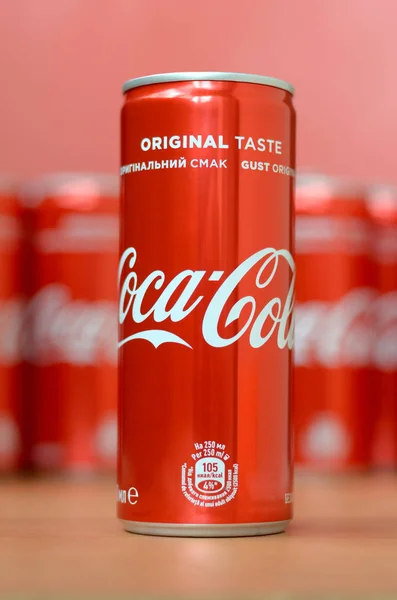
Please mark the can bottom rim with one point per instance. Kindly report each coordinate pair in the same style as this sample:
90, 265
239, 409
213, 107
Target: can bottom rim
207, 530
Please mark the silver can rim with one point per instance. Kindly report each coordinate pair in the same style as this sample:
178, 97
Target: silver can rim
208, 76
34, 191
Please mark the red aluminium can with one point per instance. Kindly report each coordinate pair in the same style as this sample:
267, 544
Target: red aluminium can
11, 306
335, 390
206, 281
382, 202
72, 318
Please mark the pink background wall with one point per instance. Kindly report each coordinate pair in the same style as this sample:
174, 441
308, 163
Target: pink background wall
62, 63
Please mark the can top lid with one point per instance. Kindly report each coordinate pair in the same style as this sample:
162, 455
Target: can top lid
73, 184
382, 200
321, 186
207, 76
380, 191
8, 184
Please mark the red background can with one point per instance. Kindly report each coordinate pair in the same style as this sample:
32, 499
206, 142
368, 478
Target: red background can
382, 201
334, 380
204, 423
11, 308
72, 320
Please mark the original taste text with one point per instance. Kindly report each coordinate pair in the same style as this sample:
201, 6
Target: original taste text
240, 142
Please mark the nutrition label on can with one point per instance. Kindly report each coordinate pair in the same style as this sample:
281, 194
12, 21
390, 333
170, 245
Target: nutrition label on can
209, 479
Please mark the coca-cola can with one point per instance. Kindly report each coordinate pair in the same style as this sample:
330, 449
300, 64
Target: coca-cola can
72, 320
382, 202
334, 378
11, 307
206, 280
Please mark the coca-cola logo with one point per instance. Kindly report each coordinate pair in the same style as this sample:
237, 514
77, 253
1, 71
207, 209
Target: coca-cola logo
11, 315
336, 333
276, 313
69, 330
385, 349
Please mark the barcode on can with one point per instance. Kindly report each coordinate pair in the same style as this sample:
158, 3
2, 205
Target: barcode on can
288, 498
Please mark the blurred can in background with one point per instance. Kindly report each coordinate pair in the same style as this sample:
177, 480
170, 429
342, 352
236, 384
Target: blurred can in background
72, 321
11, 307
335, 394
382, 201
206, 305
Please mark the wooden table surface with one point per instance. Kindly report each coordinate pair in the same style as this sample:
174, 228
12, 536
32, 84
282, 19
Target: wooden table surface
61, 540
